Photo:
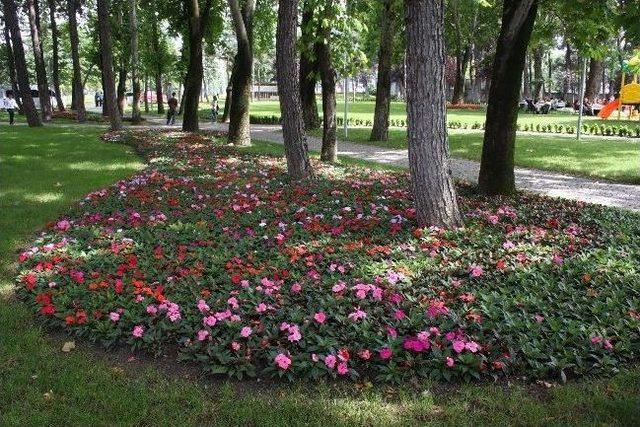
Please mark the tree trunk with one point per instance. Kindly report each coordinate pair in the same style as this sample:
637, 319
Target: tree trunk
227, 99
11, 21
526, 89
78, 91
496, 168
462, 62
538, 91
329, 150
594, 77
193, 79
239, 126
157, 75
380, 130
121, 95
146, 93
55, 66
308, 72
11, 65
38, 56
433, 192
106, 56
135, 78
566, 83
295, 142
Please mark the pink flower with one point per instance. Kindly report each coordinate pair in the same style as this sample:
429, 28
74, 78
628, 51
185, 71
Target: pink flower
493, 219
472, 346
596, 340
202, 306
385, 353
436, 308
339, 287
294, 334
209, 321
114, 316
608, 345
399, 315
152, 309
261, 308
330, 361
296, 288
138, 331
63, 225
320, 317
282, 361
357, 315
343, 369
245, 332
450, 362
202, 334
557, 259
458, 346
539, 318
476, 270
508, 245
364, 354
235, 346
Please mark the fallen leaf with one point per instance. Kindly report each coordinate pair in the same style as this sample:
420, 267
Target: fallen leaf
68, 346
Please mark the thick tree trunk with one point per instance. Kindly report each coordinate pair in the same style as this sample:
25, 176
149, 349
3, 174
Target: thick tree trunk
11, 67
38, 56
295, 142
106, 57
538, 91
462, 62
11, 21
55, 56
308, 72
433, 192
496, 168
594, 77
329, 150
227, 100
135, 78
193, 79
380, 130
239, 125
78, 90
146, 93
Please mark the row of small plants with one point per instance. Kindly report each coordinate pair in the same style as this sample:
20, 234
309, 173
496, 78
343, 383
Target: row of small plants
587, 129
215, 254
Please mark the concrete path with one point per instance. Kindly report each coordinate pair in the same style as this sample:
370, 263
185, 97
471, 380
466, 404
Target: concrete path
543, 182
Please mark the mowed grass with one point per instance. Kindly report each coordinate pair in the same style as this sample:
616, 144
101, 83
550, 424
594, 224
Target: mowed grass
595, 157
42, 171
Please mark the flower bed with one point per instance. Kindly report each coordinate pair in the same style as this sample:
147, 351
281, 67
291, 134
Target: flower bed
214, 253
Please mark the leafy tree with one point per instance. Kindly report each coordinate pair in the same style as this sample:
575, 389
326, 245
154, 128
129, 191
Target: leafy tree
78, 91
104, 23
33, 13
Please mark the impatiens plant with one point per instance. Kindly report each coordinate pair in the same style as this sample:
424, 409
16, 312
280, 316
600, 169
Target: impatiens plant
213, 252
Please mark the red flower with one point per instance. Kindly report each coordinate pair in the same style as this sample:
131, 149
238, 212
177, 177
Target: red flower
48, 310
30, 281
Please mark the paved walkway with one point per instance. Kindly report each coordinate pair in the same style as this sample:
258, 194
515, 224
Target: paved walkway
538, 181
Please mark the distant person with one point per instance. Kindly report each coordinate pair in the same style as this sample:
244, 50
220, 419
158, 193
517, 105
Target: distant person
11, 106
215, 109
98, 99
173, 109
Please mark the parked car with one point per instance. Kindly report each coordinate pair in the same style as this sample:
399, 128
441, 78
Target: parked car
35, 94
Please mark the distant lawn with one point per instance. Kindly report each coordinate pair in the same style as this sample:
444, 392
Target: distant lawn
597, 157
43, 171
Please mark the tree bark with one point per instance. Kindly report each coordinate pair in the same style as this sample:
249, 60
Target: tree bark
146, 93
380, 130
121, 91
38, 56
106, 55
496, 167
526, 89
239, 125
308, 72
135, 78
78, 91
538, 91
295, 142
329, 149
55, 56
11, 21
157, 75
566, 84
433, 192
462, 62
227, 100
594, 77
11, 67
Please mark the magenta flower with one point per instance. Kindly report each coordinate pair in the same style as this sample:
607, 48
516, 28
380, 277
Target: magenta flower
330, 361
320, 317
202, 334
450, 362
245, 332
476, 271
458, 346
282, 361
343, 369
209, 321
114, 317
385, 353
138, 331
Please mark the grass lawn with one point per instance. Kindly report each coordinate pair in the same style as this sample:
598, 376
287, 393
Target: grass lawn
43, 171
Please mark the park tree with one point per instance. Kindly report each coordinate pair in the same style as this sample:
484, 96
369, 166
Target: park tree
55, 52
77, 86
308, 68
329, 150
387, 18
295, 144
33, 13
239, 126
135, 62
10, 11
496, 167
431, 182
10, 63
104, 24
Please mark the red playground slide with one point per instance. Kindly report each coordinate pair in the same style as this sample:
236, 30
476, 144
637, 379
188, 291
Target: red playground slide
608, 109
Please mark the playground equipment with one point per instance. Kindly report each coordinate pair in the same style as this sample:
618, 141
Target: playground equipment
629, 93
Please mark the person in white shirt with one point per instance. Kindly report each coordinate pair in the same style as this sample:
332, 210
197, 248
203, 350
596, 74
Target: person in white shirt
11, 106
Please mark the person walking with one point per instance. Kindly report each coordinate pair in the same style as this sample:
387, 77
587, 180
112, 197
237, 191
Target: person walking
11, 106
215, 109
173, 109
